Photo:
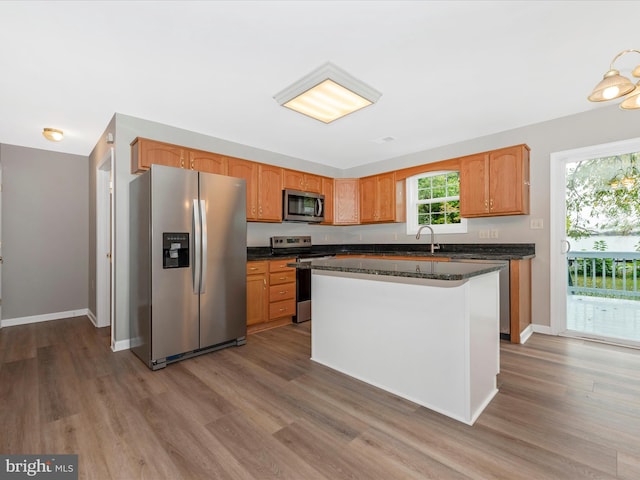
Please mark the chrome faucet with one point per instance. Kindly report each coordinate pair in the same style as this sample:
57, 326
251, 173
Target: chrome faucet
434, 247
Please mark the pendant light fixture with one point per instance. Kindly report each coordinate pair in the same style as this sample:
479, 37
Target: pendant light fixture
327, 94
53, 134
614, 85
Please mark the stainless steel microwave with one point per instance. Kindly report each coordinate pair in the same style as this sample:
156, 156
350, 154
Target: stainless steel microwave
302, 206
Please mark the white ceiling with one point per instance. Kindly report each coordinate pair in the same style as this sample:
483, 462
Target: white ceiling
448, 71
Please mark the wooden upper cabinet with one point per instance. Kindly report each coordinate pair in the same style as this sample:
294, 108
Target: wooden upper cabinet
491, 183
509, 182
495, 183
474, 186
304, 182
264, 189
145, 152
379, 199
367, 199
327, 191
208, 162
240, 168
346, 200
269, 193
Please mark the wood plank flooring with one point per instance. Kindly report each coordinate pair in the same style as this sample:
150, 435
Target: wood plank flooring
567, 409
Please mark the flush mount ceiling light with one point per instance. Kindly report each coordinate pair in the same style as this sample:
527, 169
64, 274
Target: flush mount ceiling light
614, 85
53, 134
327, 94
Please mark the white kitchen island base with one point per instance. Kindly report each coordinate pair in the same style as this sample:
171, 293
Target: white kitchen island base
433, 342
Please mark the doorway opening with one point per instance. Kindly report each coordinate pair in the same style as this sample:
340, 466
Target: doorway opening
104, 242
595, 243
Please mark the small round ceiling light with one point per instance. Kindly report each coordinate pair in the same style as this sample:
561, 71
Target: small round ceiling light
53, 134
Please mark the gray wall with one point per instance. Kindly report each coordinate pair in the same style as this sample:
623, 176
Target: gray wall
44, 232
601, 125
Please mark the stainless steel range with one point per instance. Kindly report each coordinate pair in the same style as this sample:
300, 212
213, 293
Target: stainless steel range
300, 248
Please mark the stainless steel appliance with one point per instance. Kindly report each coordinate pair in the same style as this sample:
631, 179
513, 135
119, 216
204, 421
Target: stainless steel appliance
302, 206
300, 248
188, 264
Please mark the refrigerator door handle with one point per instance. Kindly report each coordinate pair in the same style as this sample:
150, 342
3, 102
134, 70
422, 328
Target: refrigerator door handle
197, 278
203, 267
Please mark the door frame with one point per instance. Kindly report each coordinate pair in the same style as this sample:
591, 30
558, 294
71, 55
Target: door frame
557, 221
105, 242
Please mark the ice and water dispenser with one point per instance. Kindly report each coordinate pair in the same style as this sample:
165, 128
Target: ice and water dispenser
175, 250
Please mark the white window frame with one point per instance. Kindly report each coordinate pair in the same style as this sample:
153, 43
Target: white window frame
412, 202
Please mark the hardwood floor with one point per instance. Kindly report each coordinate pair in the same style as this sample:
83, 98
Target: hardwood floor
567, 409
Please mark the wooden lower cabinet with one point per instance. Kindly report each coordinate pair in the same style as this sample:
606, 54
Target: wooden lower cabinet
520, 297
284, 279
257, 293
271, 294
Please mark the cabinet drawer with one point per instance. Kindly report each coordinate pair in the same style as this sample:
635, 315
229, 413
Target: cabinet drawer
285, 308
281, 265
282, 292
256, 267
282, 277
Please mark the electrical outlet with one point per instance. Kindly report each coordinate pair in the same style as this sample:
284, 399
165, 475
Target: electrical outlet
493, 233
483, 234
536, 224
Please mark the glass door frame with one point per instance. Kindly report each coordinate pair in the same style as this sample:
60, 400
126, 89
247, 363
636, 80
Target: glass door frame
557, 221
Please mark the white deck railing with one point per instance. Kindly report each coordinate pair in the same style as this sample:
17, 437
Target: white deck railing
607, 274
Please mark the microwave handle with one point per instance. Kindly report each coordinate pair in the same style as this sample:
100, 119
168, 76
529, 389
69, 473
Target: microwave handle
318, 207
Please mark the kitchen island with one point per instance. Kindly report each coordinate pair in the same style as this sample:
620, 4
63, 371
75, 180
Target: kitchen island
425, 331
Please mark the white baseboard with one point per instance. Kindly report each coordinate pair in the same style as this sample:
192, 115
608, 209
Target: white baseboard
92, 317
121, 345
12, 322
542, 329
526, 333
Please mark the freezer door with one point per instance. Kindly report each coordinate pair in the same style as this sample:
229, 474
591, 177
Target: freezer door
223, 297
175, 325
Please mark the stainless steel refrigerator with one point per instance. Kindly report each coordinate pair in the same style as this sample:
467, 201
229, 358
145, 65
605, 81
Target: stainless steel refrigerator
188, 237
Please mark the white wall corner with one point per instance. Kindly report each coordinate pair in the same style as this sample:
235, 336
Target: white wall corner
121, 345
92, 317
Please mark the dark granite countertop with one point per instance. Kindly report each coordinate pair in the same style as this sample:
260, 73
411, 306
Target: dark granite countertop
498, 251
403, 268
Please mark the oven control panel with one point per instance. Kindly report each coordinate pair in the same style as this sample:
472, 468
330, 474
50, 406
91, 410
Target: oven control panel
297, 241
